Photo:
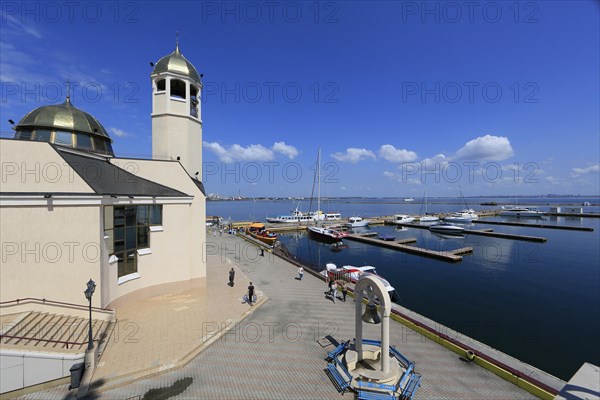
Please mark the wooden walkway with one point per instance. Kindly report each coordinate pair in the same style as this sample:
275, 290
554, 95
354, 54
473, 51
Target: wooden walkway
546, 226
488, 232
449, 256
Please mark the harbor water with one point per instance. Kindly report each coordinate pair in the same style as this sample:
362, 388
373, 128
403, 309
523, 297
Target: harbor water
538, 302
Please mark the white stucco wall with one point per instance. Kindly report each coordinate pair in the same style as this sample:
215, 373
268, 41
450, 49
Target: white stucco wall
36, 167
49, 252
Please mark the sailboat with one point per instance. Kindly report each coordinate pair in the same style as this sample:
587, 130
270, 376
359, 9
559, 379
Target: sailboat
425, 217
321, 233
465, 216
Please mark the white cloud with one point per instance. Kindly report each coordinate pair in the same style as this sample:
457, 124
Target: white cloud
253, 152
354, 155
289, 151
586, 170
392, 154
485, 148
18, 26
235, 152
119, 132
438, 160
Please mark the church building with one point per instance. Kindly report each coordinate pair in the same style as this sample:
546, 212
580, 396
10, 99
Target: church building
71, 211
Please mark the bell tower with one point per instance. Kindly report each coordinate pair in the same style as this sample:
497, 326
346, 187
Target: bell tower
176, 112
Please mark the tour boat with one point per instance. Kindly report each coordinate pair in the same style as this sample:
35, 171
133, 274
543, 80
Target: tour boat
298, 216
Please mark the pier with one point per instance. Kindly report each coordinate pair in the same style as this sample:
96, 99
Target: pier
487, 232
546, 226
449, 256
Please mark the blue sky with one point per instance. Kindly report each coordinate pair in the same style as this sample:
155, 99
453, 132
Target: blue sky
497, 98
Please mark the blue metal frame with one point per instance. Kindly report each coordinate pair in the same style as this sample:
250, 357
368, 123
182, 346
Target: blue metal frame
409, 381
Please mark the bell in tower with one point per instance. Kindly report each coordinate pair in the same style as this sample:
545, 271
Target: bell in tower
176, 112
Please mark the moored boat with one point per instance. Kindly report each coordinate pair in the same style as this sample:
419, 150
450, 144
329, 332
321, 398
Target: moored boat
462, 217
403, 219
297, 216
352, 274
357, 222
448, 229
387, 238
429, 218
258, 231
521, 212
326, 235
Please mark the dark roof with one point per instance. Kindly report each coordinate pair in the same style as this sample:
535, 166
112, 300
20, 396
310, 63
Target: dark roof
108, 179
200, 185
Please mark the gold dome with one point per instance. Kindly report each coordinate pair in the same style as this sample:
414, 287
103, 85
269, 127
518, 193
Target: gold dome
178, 64
63, 116
65, 125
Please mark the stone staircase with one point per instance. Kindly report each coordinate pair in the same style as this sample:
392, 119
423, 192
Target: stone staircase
49, 332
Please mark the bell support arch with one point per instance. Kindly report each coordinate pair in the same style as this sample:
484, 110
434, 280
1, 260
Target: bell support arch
373, 286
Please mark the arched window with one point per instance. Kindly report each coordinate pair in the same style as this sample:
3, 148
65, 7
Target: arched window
177, 88
194, 101
161, 85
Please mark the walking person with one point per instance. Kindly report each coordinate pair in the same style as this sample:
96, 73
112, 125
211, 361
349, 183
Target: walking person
330, 283
344, 291
301, 272
250, 293
231, 276
334, 289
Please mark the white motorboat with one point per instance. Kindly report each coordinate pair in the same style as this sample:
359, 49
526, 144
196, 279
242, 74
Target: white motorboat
409, 199
462, 217
403, 219
357, 222
353, 274
521, 212
448, 229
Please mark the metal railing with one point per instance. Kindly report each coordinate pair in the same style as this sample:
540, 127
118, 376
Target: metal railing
53, 302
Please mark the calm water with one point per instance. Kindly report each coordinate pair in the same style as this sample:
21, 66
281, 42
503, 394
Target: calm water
539, 302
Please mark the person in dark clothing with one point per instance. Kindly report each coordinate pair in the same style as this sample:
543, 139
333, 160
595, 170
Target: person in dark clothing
250, 294
344, 291
231, 277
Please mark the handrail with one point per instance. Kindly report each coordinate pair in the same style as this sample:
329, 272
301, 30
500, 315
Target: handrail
65, 342
484, 356
53, 302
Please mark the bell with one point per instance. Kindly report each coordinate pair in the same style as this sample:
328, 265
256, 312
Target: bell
371, 316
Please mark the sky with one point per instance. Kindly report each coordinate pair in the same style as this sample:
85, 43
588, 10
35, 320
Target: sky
487, 98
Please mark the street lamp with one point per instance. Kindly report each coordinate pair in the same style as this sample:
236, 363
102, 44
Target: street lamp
89, 292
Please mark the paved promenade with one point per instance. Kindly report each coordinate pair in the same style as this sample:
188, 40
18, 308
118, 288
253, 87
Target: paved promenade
275, 352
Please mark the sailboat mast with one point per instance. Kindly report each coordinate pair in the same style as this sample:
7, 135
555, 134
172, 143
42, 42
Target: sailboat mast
318, 183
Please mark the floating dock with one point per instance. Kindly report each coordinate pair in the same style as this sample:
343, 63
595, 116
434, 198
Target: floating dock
523, 224
449, 256
488, 232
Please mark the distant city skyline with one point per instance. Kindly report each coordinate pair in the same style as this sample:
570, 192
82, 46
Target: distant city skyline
488, 99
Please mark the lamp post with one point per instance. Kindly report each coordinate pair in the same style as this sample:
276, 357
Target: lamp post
89, 292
